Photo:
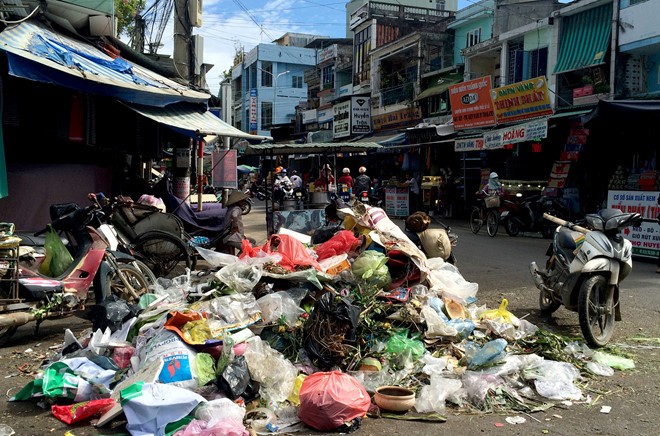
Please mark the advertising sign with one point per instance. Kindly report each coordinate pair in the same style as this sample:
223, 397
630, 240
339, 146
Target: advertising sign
309, 116
646, 238
253, 110
471, 104
521, 100
360, 115
341, 126
225, 174
327, 53
398, 118
324, 115
470, 144
396, 201
529, 131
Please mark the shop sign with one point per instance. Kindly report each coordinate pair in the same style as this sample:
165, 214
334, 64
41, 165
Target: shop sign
225, 174
645, 239
346, 90
520, 133
327, 53
396, 201
324, 115
521, 101
253, 110
398, 118
360, 115
469, 144
341, 120
471, 104
309, 116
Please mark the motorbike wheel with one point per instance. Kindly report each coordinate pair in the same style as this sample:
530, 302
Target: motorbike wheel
6, 334
144, 269
165, 254
511, 227
596, 311
492, 223
114, 286
475, 221
246, 207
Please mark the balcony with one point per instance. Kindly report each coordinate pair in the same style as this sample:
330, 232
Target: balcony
409, 13
397, 94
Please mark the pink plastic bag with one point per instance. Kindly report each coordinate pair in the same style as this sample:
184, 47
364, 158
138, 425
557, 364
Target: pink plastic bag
225, 427
330, 399
293, 252
342, 242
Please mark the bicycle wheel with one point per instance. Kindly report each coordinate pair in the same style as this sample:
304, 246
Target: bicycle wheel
144, 269
492, 223
117, 288
475, 220
165, 254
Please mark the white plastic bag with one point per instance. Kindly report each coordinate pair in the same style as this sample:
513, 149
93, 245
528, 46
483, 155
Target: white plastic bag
269, 367
274, 306
432, 398
240, 276
445, 279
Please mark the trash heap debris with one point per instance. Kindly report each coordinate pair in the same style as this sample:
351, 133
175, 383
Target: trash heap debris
290, 336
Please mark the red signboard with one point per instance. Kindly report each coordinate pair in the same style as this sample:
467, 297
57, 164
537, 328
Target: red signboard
471, 105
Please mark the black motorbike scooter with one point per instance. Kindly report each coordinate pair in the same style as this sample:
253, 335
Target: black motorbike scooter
526, 215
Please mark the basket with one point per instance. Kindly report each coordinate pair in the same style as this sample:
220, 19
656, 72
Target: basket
492, 201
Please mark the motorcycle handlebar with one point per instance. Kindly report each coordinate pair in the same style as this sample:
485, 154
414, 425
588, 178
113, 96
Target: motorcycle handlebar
565, 223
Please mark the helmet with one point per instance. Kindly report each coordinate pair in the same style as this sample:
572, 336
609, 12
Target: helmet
362, 170
284, 170
493, 175
278, 169
346, 171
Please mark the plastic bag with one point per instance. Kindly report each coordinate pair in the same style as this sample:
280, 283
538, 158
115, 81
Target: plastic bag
58, 258
501, 314
399, 343
616, 362
371, 266
342, 242
82, 411
235, 378
432, 398
445, 279
330, 399
274, 306
293, 252
276, 373
224, 427
240, 276
491, 352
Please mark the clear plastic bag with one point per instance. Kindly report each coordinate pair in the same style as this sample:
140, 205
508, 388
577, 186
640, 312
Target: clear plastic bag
240, 276
277, 305
432, 398
490, 353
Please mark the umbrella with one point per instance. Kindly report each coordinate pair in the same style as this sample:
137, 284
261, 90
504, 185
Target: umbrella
245, 169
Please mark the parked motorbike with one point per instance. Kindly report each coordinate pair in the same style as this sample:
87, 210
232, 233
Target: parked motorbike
526, 215
584, 270
364, 197
31, 296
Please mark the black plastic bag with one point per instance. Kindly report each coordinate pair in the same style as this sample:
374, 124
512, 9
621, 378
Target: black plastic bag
235, 378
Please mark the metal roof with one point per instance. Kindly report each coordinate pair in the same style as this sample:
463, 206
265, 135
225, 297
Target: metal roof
312, 147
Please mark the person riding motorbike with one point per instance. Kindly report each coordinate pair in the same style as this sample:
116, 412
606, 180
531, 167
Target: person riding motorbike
281, 183
296, 180
346, 179
362, 182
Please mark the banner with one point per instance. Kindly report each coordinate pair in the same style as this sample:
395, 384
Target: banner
225, 174
360, 115
469, 144
646, 238
253, 111
529, 131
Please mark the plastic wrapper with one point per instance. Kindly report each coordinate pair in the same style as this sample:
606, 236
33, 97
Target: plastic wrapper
221, 408
436, 326
122, 356
192, 327
488, 354
501, 314
294, 253
276, 374
216, 258
230, 312
616, 362
240, 276
280, 304
235, 378
554, 380
224, 427
432, 397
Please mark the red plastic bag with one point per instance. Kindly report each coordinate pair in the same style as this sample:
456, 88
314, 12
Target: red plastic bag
293, 252
82, 411
342, 242
330, 399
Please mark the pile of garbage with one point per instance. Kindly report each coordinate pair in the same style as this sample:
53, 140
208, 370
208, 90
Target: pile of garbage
291, 336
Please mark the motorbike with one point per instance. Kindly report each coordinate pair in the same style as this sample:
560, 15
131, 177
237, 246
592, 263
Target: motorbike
28, 295
526, 215
584, 270
364, 197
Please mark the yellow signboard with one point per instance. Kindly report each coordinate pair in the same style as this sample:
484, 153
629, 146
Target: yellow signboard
521, 100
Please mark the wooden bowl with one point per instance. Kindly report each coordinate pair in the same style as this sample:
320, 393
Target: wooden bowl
394, 398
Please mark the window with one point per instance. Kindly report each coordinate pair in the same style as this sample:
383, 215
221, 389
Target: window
328, 77
362, 47
267, 75
266, 115
296, 82
538, 62
473, 37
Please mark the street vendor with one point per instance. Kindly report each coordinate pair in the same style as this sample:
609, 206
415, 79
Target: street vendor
325, 180
233, 224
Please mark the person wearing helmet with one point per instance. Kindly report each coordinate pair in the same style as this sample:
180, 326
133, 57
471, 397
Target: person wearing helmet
494, 186
362, 182
346, 179
296, 180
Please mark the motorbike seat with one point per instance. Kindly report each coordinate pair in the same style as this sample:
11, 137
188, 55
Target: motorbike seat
29, 240
565, 242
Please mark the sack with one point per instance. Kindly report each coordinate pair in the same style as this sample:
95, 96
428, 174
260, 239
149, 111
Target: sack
436, 243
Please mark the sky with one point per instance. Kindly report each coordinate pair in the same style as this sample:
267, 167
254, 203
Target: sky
229, 25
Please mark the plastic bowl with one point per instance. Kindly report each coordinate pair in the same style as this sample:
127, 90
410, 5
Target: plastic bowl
394, 398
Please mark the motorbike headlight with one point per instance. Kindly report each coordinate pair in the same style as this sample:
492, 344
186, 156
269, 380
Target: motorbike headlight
594, 221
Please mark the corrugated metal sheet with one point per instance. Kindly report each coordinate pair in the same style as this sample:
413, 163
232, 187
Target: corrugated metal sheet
585, 39
188, 118
36, 52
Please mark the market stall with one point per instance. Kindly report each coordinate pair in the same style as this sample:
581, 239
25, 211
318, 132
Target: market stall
312, 217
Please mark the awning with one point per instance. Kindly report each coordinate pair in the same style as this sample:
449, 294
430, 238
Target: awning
632, 113
387, 138
312, 147
35, 52
570, 113
187, 118
585, 39
434, 90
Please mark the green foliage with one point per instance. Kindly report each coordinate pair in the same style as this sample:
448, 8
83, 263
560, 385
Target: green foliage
125, 11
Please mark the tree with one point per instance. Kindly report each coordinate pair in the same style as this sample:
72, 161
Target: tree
125, 11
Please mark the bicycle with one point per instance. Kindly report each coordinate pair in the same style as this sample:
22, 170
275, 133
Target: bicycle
486, 210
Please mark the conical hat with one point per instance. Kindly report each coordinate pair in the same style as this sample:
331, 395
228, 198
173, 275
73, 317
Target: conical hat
235, 197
